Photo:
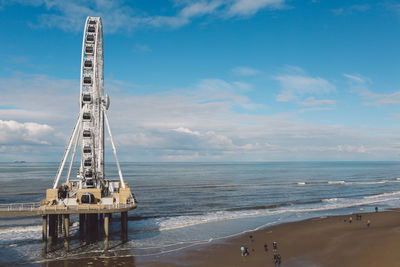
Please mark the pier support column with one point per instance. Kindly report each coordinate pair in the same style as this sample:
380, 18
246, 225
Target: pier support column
106, 222
44, 228
101, 218
60, 224
66, 232
92, 226
66, 225
82, 223
106, 230
124, 225
52, 227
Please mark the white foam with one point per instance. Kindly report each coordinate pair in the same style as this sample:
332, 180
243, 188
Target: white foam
20, 233
327, 204
384, 195
20, 229
336, 182
23, 233
301, 183
376, 182
335, 199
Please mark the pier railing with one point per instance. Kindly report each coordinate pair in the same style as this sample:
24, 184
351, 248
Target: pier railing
33, 206
87, 207
37, 208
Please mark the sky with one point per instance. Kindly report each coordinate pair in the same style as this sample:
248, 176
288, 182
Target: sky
207, 80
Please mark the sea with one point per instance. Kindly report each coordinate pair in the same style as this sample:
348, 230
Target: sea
182, 205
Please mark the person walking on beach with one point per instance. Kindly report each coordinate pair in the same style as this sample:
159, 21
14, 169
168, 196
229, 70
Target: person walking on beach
279, 259
350, 219
275, 245
265, 247
368, 223
376, 209
244, 251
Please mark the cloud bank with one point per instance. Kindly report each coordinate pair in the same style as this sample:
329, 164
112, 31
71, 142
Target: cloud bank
197, 123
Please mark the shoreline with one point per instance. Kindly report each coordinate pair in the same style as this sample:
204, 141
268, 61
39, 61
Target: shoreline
321, 241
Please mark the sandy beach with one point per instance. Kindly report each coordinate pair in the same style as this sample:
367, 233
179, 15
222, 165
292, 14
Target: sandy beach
329, 241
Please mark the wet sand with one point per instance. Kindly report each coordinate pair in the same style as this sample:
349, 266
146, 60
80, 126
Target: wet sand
326, 241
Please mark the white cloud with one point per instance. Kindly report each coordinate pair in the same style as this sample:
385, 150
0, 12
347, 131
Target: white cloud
186, 131
38, 98
199, 8
360, 85
311, 101
117, 15
245, 71
217, 90
351, 9
295, 86
16, 133
381, 99
350, 148
356, 78
250, 7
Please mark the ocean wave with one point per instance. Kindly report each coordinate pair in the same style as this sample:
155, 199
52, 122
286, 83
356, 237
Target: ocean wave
336, 182
395, 193
343, 182
335, 199
374, 182
24, 233
262, 207
21, 229
170, 223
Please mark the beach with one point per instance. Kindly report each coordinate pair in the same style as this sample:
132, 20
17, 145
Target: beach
327, 241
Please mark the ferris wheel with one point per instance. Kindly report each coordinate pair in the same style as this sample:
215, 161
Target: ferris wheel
93, 103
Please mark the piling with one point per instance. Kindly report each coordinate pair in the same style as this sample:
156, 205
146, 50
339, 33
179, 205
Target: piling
44, 228
60, 224
82, 218
92, 226
66, 226
106, 224
101, 218
52, 227
124, 225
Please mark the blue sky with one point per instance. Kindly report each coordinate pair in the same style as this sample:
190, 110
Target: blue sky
216, 80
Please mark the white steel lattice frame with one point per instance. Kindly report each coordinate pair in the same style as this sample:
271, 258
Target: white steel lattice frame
92, 112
